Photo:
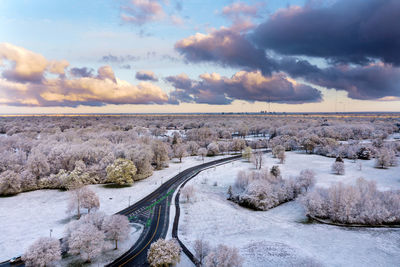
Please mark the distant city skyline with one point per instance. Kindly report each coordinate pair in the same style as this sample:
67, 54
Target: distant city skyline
174, 56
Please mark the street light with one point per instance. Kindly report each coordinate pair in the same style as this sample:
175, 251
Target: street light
51, 230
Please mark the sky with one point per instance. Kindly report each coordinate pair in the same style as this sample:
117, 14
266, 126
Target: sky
172, 56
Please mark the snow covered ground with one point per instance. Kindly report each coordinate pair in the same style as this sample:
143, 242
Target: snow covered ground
282, 236
28, 216
110, 254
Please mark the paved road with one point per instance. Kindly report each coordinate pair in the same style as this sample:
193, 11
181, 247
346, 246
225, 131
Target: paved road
153, 212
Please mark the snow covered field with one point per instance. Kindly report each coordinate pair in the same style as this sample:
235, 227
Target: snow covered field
28, 216
282, 236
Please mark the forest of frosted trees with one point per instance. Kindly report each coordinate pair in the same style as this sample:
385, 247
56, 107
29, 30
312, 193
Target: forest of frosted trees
61, 152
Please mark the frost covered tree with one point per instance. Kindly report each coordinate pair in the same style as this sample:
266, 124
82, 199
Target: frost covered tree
38, 164
188, 192
361, 203
86, 240
261, 191
238, 145
338, 168
277, 149
116, 228
83, 197
76, 178
193, 147
246, 154
257, 159
385, 158
43, 252
121, 172
202, 152
89, 199
10, 183
212, 149
223, 256
164, 253
201, 249
281, 156
180, 151
160, 154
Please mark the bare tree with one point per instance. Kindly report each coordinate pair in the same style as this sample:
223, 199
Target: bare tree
223, 256
257, 159
43, 252
201, 249
116, 228
188, 192
164, 253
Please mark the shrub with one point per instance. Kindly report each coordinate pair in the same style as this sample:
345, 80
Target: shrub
361, 203
164, 253
261, 191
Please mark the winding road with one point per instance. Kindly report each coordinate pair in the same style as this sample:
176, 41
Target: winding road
153, 212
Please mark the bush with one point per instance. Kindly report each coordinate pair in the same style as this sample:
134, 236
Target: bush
354, 204
164, 253
262, 191
338, 168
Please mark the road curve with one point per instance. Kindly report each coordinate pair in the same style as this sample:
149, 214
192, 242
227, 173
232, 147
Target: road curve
153, 212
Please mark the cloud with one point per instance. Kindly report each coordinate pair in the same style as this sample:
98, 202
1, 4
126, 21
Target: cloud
106, 72
142, 11
26, 66
146, 75
356, 31
355, 38
23, 88
248, 86
372, 82
241, 14
181, 81
226, 47
119, 59
82, 72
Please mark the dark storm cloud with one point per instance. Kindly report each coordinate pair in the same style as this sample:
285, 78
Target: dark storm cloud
346, 32
358, 39
374, 81
226, 47
248, 86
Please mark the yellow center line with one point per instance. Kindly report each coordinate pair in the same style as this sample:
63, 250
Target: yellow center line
155, 231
